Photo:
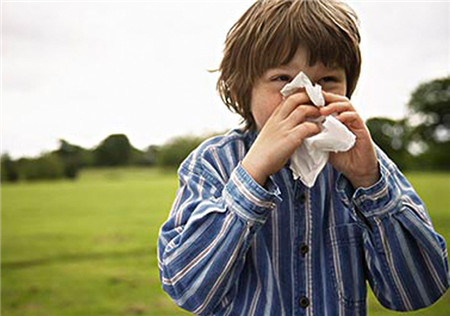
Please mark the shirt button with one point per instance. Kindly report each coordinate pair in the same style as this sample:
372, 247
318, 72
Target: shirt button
304, 301
304, 249
302, 198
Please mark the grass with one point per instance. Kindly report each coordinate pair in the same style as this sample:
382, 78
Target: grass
89, 247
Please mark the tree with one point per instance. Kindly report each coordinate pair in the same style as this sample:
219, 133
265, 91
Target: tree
392, 137
173, 152
10, 171
146, 157
72, 156
115, 150
430, 107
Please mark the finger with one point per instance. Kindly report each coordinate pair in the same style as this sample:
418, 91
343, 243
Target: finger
336, 107
332, 97
301, 113
292, 102
304, 130
351, 119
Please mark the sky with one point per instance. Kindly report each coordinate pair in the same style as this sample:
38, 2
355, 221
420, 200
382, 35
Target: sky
83, 70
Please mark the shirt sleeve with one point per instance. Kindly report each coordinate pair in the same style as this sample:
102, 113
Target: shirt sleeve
406, 259
203, 244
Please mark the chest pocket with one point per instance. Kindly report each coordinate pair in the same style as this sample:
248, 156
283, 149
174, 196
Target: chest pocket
346, 263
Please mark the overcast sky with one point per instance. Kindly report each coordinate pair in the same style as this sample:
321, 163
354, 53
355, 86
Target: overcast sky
82, 70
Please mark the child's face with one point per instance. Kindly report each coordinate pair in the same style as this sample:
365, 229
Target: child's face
266, 94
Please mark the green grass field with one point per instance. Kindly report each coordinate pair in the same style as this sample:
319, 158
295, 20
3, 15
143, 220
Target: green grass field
89, 247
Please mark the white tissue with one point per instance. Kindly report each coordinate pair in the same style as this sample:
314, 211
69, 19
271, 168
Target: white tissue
311, 157
302, 81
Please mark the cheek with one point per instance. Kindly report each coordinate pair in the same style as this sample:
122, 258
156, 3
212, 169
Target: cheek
340, 89
263, 107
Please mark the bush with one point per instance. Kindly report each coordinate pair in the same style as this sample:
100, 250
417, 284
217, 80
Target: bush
48, 166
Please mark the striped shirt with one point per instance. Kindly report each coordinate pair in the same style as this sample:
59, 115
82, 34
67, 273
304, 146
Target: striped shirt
233, 247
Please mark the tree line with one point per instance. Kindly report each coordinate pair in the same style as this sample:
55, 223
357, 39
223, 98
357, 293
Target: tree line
114, 151
420, 141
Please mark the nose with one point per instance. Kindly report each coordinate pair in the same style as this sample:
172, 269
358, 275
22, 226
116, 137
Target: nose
301, 90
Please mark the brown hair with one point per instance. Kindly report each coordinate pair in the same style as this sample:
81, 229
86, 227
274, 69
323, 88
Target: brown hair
269, 34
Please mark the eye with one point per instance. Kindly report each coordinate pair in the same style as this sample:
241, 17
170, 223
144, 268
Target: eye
328, 79
283, 78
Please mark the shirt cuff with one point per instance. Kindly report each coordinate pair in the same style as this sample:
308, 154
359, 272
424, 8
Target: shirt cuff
247, 198
380, 198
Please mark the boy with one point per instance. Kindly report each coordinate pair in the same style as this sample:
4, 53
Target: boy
244, 238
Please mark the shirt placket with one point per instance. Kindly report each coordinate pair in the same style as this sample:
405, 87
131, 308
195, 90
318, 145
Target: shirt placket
302, 207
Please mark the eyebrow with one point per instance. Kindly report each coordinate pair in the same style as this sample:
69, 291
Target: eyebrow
285, 67
280, 68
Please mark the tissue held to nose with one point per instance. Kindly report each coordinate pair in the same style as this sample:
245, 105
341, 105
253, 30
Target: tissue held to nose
311, 157
302, 81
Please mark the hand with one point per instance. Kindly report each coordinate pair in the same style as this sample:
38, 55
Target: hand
359, 165
282, 133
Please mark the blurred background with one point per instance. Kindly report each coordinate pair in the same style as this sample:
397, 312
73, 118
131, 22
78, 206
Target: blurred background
101, 101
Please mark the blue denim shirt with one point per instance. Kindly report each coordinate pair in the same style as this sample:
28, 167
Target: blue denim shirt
233, 247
